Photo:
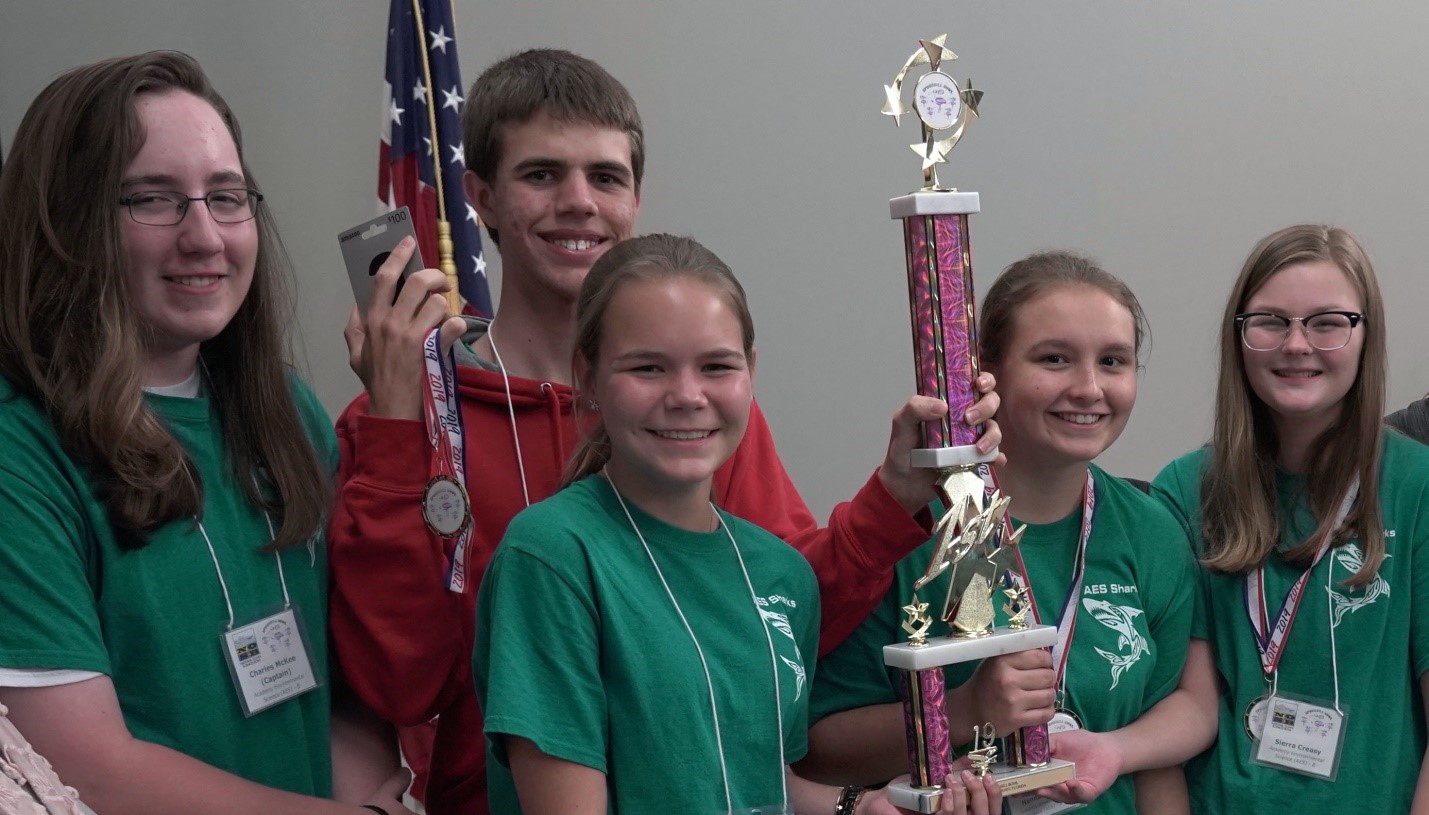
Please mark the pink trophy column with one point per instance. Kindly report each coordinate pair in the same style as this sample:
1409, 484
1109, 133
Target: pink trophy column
940, 292
942, 302
930, 751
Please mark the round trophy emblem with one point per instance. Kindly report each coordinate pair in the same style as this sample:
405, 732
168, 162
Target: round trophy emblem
943, 109
938, 100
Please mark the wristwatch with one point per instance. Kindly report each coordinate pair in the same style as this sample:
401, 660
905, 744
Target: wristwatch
848, 799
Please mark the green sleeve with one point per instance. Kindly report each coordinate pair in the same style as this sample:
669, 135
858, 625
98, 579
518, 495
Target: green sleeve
47, 602
537, 658
796, 730
1419, 621
1404, 482
1174, 589
1178, 488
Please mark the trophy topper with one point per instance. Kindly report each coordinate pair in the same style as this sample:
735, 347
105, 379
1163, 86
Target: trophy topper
943, 109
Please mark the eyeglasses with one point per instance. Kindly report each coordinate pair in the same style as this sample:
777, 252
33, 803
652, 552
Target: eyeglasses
161, 208
1324, 330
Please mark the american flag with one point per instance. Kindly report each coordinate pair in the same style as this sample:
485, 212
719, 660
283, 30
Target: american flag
405, 174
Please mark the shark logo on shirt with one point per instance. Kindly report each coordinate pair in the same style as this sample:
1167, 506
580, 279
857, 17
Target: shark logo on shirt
780, 622
1129, 642
1351, 558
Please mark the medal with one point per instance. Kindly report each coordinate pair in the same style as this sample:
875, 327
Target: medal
1254, 719
445, 506
1064, 720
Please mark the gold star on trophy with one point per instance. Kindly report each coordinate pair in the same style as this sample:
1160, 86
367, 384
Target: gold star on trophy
941, 106
917, 621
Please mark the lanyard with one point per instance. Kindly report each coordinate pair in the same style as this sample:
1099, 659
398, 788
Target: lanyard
1067, 622
709, 681
447, 434
1270, 639
223, 584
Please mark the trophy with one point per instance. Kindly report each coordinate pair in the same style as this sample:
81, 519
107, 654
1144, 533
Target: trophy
974, 542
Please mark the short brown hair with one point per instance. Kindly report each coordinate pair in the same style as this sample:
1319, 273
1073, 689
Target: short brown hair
563, 85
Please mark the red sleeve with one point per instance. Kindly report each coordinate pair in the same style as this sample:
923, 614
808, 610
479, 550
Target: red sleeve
397, 631
853, 556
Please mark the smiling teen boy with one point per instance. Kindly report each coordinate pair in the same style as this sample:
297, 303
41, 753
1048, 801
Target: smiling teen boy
555, 151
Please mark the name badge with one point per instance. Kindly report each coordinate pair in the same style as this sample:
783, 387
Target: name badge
1301, 736
268, 661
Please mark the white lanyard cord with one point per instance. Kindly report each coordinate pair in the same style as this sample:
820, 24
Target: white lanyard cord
282, 579
1330, 618
709, 682
773, 657
223, 584
510, 410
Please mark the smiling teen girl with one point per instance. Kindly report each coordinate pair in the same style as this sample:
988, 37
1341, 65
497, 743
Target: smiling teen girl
164, 479
639, 650
1107, 564
1308, 513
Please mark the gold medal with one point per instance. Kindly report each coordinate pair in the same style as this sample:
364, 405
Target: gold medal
445, 506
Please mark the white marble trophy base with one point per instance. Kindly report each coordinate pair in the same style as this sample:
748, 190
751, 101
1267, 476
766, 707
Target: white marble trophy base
940, 651
943, 458
1013, 780
934, 202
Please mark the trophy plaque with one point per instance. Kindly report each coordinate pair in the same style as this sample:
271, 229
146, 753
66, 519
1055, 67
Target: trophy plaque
973, 542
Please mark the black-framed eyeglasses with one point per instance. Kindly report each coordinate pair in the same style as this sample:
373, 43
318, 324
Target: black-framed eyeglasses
1324, 330
166, 208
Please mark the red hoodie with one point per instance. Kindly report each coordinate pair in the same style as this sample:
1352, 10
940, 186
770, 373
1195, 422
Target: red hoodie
405, 642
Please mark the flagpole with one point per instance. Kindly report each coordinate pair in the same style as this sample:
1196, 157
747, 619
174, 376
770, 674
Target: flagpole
444, 228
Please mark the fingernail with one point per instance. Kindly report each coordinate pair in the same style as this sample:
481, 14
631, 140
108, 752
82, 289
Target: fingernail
407, 241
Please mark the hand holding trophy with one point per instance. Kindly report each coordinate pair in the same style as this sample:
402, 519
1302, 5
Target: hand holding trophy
975, 542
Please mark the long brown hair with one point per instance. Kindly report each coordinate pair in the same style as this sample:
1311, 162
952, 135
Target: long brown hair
1241, 524
649, 257
69, 338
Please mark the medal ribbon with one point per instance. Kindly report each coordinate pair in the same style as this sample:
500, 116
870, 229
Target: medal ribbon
1270, 639
447, 434
1067, 622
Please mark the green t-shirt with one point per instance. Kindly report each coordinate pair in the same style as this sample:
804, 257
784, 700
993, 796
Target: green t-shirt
1132, 628
1381, 642
579, 649
151, 618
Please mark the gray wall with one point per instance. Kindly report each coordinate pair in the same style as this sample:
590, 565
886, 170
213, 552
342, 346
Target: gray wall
1164, 138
